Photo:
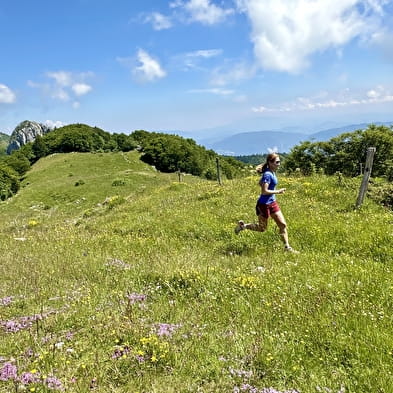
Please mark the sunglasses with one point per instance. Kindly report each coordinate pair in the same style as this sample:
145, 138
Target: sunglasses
277, 162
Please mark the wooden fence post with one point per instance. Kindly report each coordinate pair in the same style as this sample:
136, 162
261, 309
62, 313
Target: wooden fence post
366, 176
218, 171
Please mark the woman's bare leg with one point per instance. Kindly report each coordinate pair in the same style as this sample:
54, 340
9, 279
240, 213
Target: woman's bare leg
260, 227
278, 217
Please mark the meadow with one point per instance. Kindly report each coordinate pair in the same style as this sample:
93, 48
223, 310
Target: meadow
117, 278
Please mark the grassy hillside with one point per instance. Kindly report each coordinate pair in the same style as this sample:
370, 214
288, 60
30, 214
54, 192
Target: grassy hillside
117, 278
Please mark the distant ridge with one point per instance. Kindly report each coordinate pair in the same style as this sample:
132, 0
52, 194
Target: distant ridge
260, 142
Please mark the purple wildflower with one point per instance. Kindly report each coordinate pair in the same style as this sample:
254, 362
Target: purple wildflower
8, 371
166, 329
120, 352
246, 387
240, 373
29, 353
69, 336
14, 325
5, 301
136, 298
53, 383
27, 378
140, 359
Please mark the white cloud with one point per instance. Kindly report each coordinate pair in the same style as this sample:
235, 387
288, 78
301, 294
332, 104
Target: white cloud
81, 89
60, 94
54, 124
232, 73
203, 11
62, 78
7, 96
218, 91
158, 21
205, 53
64, 85
149, 69
285, 33
193, 60
344, 99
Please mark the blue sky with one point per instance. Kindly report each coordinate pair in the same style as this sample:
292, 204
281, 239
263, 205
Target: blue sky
196, 65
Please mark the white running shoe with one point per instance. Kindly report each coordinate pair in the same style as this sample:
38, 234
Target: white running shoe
292, 250
239, 227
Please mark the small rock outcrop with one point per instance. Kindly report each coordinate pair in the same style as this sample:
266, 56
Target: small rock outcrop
26, 132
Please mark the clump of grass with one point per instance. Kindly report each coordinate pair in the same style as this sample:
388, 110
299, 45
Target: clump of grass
118, 183
79, 183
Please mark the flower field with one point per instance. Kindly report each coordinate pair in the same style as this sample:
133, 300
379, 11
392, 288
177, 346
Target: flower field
117, 278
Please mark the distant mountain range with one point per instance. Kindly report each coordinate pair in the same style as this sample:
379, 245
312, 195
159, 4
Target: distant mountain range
260, 142
256, 142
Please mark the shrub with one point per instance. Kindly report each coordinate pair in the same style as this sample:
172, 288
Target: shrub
9, 182
118, 183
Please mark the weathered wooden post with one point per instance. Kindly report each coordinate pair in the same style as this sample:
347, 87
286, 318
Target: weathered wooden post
366, 175
218, 171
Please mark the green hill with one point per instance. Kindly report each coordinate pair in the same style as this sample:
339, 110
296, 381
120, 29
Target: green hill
118, 278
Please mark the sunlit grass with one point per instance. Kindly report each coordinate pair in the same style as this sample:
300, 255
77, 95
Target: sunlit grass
143, 286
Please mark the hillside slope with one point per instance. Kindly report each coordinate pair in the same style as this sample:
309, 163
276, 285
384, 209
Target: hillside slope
132, 281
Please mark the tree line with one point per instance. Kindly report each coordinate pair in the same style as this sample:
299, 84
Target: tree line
171, 153
345, 153
168, 153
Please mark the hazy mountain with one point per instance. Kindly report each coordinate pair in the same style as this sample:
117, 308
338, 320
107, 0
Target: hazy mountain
262, 141
332, 132
257, 142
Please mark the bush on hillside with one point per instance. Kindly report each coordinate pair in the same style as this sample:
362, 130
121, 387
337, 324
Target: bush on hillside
123, 142
17, 161
171, 153
9, 182
76, 138
4, 141
345, 153
382, 193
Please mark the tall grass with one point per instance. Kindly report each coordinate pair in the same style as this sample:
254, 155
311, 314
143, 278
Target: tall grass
117, 278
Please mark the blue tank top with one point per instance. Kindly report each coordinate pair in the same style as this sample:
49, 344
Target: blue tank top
271, 179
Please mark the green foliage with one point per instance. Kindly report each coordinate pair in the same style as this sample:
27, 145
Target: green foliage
382, 193
118, 183
345, 153
9, 182
256, 159
170, 153
39, 148
123, 142
17, 161
76, 138
4, 141
253, 159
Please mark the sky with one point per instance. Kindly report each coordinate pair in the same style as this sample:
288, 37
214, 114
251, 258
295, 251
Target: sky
202, 67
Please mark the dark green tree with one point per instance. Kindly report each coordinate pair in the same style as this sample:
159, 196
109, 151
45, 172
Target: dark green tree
345, 153
9, 182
